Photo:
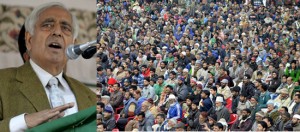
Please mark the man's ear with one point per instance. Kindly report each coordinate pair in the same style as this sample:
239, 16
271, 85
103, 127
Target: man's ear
28, 40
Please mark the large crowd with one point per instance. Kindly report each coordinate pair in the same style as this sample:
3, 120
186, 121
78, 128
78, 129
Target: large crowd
198, 65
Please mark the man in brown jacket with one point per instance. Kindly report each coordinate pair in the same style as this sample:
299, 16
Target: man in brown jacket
116, 98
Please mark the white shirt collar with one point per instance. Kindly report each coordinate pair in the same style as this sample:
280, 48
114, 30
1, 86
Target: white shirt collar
43, 75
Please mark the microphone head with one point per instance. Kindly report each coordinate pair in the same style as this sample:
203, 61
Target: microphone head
71, 53
89, 53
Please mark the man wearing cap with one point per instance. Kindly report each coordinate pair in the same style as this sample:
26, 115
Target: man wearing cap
224, 123
109, 121
196, 50
175, 110
283, 99
254, 106
296, 122
224, 89
127, 79
220, 110
272, 110
170, 126
182, 60
248, 87
126, 84
244, 123
186, 76
258, 117
181, 90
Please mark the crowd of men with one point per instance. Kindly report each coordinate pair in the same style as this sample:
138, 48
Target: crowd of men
198, 65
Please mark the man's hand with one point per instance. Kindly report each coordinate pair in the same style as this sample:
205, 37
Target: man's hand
40, 117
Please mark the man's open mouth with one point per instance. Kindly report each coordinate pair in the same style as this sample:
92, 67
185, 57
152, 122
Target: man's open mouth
55, 45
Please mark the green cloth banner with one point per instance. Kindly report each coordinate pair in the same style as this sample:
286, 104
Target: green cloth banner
82, 121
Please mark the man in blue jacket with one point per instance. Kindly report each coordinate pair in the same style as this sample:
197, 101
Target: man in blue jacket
175, 110
205, 103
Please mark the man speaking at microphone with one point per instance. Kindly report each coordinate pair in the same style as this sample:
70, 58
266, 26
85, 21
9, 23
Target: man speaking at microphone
39, 91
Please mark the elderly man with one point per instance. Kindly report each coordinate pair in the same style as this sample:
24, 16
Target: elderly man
258, 117
272, 110
296, 122
148, 120
224, 89
283, 99
105, 100
220, 110
50, 29
175, 110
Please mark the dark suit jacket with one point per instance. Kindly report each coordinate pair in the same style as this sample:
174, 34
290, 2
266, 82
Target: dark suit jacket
22, 92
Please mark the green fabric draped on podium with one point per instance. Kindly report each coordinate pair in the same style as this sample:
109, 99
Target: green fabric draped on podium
83, 121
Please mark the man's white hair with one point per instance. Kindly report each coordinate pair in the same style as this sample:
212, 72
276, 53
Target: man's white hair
34, 16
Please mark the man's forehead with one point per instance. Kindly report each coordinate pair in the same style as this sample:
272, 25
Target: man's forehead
51, 13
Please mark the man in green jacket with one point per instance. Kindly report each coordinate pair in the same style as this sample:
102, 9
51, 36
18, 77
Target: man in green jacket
27, 92
264, 96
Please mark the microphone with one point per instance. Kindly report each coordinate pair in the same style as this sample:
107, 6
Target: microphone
89, 52
73, 51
